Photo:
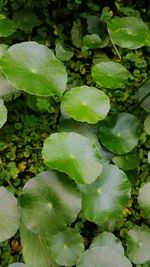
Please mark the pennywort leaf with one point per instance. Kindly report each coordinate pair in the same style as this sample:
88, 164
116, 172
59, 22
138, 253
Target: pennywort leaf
144, 200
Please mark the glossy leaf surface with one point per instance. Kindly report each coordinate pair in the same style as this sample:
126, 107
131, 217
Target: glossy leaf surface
128, 161
144, 199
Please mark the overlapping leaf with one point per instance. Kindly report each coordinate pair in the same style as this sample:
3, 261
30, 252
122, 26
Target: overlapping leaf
3, 113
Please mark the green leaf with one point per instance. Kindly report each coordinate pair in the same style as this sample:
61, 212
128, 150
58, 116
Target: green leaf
86, 104
66, 247
144, 200
128, 32
5, 87
33, 68
138, 244
3, 49
92, 41
49, 203
77, 34
144, 96
108, 239
120, 133
105, 198
110, 74
104, 256
34, 248
25, 20
147, 124
3, 113
18, 264
63, 53
9, 214
7, 26
73, 154
149, 157
128, 161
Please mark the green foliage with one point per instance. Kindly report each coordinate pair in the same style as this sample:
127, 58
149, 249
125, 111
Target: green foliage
3, 113
7, 27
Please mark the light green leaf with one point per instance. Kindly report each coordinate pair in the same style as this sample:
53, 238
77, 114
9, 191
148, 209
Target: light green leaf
63, 53
18, 264
33, 68
147, 124
34, 248
3, 113
9, 214
7, 26
138, 244
108, 239
144, 95
66, 247
149, 157
73, 154
144, 200
105, 198
86, 104
25, 20
128, 161
104, 256
49, 203
120, 132
128, 32
92, 41
5, 87
110, 74
3, 49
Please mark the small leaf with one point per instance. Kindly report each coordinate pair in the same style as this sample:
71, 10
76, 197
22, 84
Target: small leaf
49, 203
34, 68
144, 200
120, 133
34, 248
138, 244
105, 198
66, 247
86, 104
104, 256
147, 125
128, 32
9, 214
73, 154
3, 113
7, 26
126, 162
144, 95
77, 34
25, 20
92, 41
63, 53
110, 74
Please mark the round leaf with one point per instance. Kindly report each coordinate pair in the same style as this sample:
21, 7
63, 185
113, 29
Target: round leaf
66, 247
63, 53
34, 68
103, 257
138, 245
3, 113
128, 32
107, 196
147, 125
7, 27
9, 214
25, 20
18, 264
120, 133
73, 154
127, 162
110, 74
144, 199
34, 248
86, 104
49, 202
92, 41
144, 96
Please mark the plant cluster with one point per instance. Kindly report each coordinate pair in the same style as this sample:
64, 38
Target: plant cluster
90, 156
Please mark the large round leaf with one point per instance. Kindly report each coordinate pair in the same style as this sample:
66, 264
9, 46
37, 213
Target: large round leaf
49, 203
86, 104
34, 248
138, 245
127, 162
3, 113
18, 264
104, 256
120, 133
128, 32
66, 247
105, 198
7, 27
144, 95
144, 199
110, 74
73, 154
9, 214
34, 68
